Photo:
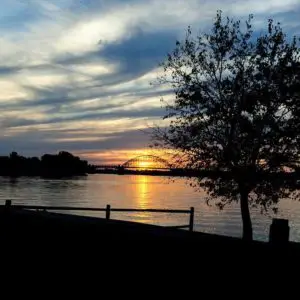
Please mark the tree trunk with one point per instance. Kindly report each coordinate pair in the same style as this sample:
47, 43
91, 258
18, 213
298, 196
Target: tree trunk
247, 224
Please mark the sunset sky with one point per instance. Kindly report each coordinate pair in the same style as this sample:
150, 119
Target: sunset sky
75, 74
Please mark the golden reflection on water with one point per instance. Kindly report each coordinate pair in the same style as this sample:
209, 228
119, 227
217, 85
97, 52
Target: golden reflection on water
155, 193
142, 196
142, 191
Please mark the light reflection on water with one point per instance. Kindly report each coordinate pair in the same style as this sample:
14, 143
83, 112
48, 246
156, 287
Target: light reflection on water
143, 192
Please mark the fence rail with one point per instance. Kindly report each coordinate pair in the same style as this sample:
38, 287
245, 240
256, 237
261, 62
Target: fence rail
108, 209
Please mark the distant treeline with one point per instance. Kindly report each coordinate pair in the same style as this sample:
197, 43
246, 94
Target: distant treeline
63, 164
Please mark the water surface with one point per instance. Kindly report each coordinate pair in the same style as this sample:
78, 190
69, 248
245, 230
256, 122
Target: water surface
124, 191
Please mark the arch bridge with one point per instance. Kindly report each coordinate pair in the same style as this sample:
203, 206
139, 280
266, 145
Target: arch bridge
141, 162
149, 162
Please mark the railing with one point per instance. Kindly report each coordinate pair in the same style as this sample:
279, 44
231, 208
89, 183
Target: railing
108, 211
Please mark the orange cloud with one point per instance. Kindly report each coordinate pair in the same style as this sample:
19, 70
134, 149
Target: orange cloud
117, 157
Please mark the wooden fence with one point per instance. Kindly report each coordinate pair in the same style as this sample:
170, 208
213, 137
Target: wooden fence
108, 211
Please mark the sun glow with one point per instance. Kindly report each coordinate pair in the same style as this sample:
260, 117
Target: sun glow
145, 165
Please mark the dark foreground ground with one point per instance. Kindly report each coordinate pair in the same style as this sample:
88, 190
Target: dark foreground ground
118, 251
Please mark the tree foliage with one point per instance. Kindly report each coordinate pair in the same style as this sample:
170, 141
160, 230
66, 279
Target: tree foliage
236, 111
63, 164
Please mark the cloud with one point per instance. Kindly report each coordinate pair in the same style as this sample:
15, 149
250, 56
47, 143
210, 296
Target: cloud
81, 142
75, 75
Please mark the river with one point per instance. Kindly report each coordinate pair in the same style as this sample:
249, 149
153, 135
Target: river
129, 191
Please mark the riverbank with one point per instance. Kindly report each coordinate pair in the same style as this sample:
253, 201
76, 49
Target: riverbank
79, 234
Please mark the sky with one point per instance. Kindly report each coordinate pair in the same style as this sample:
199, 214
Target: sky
75, 74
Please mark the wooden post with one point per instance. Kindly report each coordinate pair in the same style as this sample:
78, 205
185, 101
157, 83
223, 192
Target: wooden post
279, 231
7, 204
191, 225
107, 212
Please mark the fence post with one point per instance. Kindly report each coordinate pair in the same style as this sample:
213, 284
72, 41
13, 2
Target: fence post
107, 212
191, 225
7, 204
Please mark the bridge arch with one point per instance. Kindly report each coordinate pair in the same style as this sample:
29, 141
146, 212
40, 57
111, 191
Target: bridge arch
147, 162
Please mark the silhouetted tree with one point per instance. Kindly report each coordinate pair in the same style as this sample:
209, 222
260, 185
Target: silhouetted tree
15, 164
63, 164
236, 112
60, 165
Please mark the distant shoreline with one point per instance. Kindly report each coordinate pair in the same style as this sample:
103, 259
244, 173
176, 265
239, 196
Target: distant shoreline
63, 164
170, 173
